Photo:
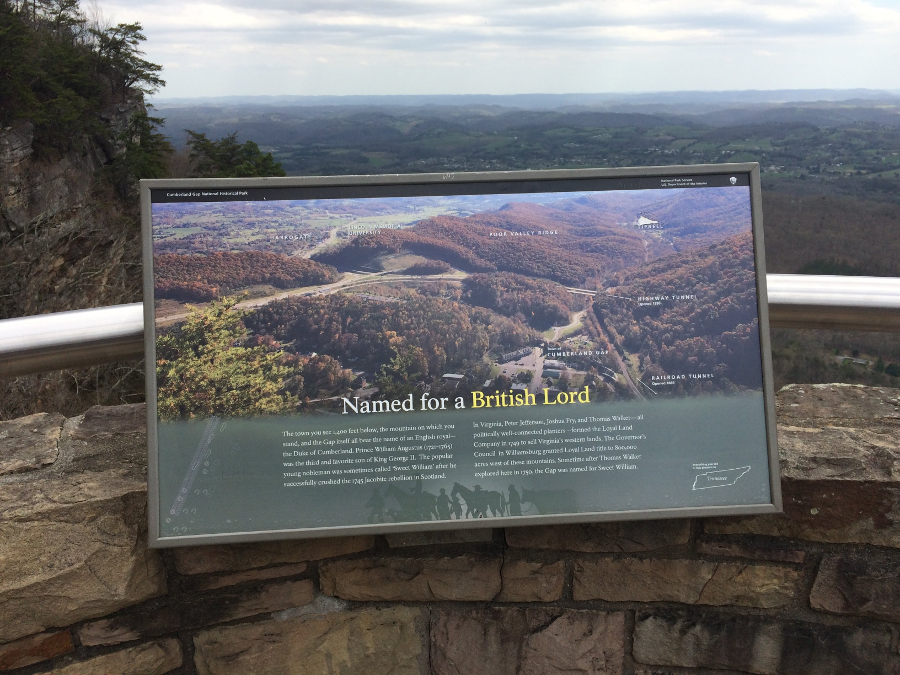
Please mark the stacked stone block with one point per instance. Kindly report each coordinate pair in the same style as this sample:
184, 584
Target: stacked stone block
816, 590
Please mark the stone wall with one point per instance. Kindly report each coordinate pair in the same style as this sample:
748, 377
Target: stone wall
815, 590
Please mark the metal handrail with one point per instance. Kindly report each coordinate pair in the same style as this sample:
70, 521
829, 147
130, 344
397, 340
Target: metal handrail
83, 337
86, 337
834, 302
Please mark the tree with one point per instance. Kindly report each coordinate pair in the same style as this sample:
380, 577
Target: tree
226, 158
144, 155
205, 369
65, 16
18, 69
502, 383
323, 376
119, 58
59, 70
399, 378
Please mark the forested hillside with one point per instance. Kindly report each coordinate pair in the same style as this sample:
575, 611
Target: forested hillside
705, 321
432, 336
60, 72
825, 234
75, 136
569, 247
537, 302
201, 278
361, 250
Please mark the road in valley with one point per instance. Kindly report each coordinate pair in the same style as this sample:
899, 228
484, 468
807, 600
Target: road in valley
577, 319
348, 280
624, 369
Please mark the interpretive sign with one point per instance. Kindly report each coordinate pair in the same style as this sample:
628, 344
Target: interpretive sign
384, 353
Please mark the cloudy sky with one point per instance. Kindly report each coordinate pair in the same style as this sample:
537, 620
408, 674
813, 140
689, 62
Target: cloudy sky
338, 47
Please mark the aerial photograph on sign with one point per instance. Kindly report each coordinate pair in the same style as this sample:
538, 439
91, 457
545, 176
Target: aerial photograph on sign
339, 362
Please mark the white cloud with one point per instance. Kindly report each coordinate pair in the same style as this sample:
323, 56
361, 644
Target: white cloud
432, 46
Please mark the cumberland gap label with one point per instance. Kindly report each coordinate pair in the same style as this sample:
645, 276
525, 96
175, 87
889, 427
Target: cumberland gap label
340, 362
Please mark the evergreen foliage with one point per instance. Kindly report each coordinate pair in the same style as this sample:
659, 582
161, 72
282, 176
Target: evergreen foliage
204, 368
58, 71
226, 158
199, 278
398, 378
146, 150
118, 56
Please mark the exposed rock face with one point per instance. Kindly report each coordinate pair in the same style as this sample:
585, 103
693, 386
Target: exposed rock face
372, 641
840, 467
40, 190
73, 536
64, 236
15, 144
29, 442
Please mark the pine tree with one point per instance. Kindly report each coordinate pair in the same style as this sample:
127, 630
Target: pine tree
226, 158
204, 369
144, 155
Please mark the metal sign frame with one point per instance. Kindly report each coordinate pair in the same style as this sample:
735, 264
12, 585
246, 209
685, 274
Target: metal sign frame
436, 184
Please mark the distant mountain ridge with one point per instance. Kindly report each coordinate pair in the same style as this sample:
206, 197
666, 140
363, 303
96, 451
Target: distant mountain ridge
539, 101
571, 242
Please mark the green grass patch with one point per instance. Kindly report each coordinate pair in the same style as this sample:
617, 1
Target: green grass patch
682, 143
572, 330
180, 232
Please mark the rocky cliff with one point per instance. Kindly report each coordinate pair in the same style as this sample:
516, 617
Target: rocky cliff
67, 241
814, 590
